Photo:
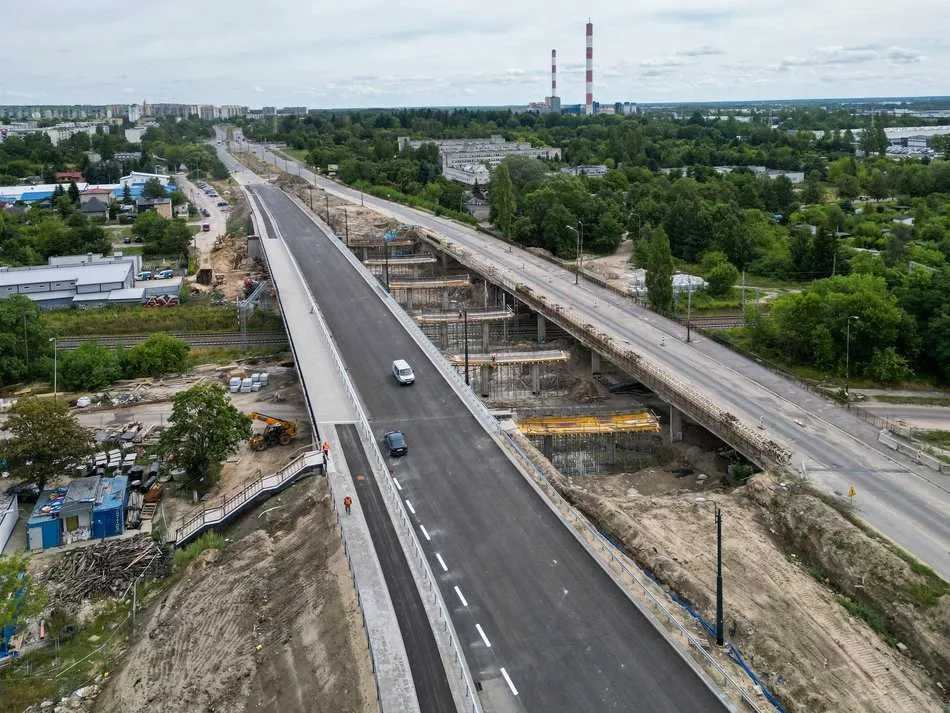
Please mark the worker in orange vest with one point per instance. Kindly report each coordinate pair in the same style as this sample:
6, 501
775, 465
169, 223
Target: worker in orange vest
347, 503
325, 448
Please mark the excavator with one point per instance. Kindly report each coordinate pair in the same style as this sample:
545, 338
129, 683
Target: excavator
279, 431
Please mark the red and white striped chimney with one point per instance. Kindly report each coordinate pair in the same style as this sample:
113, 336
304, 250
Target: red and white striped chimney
553, 73
589, 100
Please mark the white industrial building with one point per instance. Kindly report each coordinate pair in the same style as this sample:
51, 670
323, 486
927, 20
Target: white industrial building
472, 160
84, 281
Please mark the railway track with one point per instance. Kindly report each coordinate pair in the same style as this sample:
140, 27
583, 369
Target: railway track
194, 339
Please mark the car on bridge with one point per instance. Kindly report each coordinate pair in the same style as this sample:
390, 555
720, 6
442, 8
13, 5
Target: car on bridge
403, 372
396, 443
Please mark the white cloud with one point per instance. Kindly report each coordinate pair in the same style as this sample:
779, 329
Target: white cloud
416, 52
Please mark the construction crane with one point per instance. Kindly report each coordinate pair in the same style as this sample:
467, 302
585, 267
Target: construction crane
279, 431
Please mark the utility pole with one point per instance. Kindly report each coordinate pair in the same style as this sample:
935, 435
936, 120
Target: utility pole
386, 264
847, 354
26, 344
327, 197
55, 386
743, 293
720, 639
311, 198
346, 223
580, 248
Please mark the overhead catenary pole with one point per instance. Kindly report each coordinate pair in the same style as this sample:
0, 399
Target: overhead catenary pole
847, 354
464, 315
689, 308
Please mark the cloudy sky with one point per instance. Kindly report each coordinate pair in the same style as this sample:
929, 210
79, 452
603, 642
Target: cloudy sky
423, 52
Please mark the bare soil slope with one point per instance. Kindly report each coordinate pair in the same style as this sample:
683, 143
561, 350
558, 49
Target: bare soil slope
271, 623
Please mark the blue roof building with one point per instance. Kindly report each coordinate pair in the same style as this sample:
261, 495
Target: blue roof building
87, 508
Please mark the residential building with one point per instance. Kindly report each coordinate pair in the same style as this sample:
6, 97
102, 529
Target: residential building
96, 205
470, 161
135, 134
162, 206
67, 176
134, 112
596, 170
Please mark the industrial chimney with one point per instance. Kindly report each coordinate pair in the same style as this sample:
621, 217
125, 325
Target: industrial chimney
589, 100
553, 73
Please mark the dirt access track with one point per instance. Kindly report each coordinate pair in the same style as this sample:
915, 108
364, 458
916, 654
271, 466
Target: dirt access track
269, 623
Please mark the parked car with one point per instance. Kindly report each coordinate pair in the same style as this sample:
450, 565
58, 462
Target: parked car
205, 227
126, 239
396, 443
144, 275
164, 274
205, 212
403, 372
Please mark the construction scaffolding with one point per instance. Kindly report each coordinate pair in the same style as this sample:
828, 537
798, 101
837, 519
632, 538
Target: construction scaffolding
579, 445
428, 291
506, 377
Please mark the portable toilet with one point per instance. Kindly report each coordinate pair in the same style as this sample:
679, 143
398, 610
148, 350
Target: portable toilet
44, 528
246, 385
264, 377
234, 384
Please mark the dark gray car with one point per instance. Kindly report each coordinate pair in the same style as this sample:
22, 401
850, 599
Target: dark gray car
396, 443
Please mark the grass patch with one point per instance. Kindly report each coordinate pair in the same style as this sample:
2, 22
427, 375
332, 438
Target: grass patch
870, 614
941, 439
131, 249
299, 154
56, 670
917, 400
194, 316
208, 541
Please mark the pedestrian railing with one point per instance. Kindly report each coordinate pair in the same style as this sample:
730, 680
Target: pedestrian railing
222, 508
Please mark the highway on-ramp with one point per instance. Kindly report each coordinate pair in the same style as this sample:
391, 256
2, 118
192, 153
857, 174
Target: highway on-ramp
543, 626
907, 502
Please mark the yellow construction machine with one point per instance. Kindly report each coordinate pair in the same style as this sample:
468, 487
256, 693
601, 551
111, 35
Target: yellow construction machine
279, 431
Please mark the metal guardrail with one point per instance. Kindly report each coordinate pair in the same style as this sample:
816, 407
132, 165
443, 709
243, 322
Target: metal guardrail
209, 515
538, 480
444, 627
195, 339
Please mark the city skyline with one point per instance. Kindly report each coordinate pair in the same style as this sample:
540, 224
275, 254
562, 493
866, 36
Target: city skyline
372, 54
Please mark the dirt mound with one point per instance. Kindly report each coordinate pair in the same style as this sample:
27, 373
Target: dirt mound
793, 630
269, 624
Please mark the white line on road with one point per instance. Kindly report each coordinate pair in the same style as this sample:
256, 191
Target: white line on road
409, 505
514, 690
441, 562
461, 598
398, 486
478, 627
425, 533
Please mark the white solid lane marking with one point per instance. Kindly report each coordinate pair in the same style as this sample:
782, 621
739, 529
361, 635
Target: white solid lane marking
441, 562
425, 533
461, 598
478, 627
398, 486
409, 505
514, 690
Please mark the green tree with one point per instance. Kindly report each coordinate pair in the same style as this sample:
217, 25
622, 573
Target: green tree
721, 279
46, 440
659, 267
203, 429
153, 188
158, 355
20, 596
502, 199
126, 194
90, 366
24, 340
73, 193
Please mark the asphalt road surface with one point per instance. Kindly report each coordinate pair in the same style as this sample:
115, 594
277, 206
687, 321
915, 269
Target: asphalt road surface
907, 502
432, 687
529, 604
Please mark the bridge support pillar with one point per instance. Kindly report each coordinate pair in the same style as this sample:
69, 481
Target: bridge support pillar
483, 377
535, 378
542, 325
594, 362
547, 446
409, 300
445, 299
485, 334
444, 261
676, 424
365, 254
443, 336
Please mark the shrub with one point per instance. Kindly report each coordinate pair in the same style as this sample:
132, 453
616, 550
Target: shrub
90, 366
158, 355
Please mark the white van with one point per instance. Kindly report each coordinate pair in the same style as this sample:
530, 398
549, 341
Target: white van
403, 372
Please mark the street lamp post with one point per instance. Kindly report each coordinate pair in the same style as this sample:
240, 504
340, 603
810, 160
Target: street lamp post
464, 315
580, 248
720, 639
55, 375
847, 354
689, 308
327, 197
639, 232
386, 261
346, 224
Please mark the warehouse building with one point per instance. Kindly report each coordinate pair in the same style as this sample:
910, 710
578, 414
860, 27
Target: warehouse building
66, 285
470, 161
